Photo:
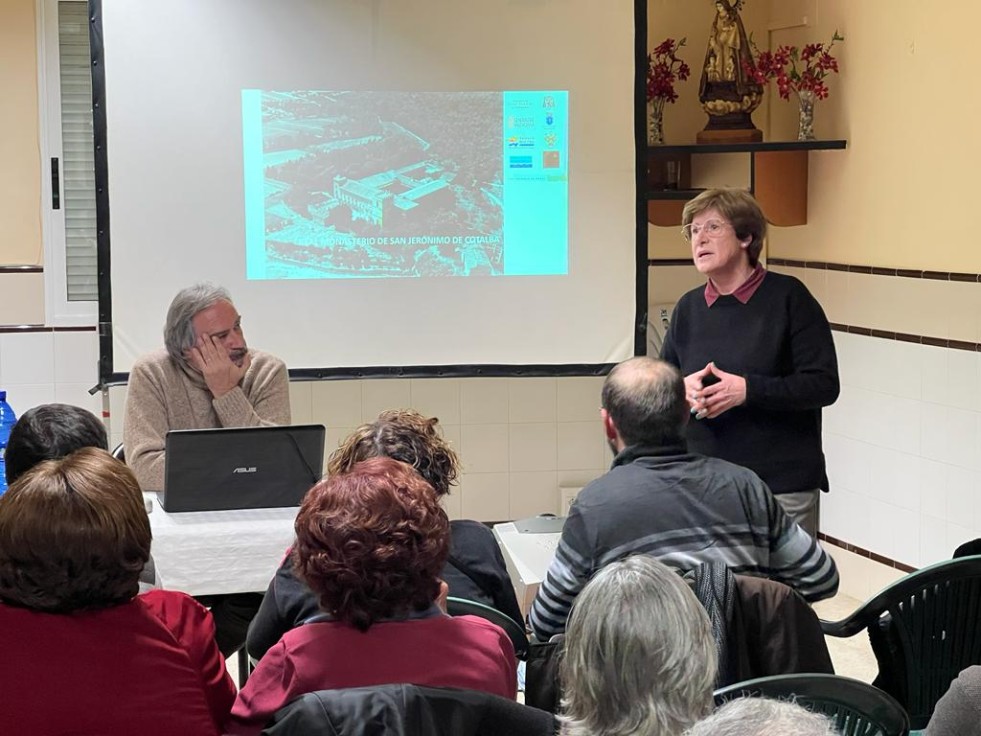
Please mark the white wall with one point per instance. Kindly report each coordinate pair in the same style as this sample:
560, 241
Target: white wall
520, 439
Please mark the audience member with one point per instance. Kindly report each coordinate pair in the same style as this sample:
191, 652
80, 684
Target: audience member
371, 543
763, 717
474, 569
958, 712
639, 654
757, 355
661, 500
51, 432
83, 653
205, 377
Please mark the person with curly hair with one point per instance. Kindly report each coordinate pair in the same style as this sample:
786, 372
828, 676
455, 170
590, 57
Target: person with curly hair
371, 543
474, 569
82, 651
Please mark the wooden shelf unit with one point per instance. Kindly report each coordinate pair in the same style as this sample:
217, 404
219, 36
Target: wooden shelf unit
778, 178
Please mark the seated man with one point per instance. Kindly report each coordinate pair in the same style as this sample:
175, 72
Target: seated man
663, 501
639, 654
371, 543
51, 432
206, 377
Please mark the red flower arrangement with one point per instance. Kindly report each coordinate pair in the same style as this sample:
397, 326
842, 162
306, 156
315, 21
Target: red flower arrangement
664, 68
796, 70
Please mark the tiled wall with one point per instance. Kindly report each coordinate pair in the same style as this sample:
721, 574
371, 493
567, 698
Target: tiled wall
520, 439
903, 441
41, 367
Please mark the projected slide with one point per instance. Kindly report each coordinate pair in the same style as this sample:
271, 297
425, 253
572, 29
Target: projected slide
405, 184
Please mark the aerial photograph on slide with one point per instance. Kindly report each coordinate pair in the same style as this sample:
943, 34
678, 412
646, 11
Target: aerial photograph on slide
376, 184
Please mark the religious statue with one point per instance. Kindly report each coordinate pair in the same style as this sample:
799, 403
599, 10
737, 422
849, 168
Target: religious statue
727, 92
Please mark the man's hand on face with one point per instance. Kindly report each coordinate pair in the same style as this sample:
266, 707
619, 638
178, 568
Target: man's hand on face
220, 373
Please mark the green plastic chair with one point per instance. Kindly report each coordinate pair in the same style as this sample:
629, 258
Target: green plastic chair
856, 708
515, 632
925, 629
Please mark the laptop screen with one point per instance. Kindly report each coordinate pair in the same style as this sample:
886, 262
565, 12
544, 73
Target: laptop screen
241, 467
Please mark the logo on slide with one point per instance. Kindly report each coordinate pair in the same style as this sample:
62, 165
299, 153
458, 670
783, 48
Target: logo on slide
550, 159
245, 470
521, 141
520, 162
548, 102
551, 139
549, 119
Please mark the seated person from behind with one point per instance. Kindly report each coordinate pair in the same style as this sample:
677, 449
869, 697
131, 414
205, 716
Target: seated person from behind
50, 432
639, 654
475, 568
661, 500
958, 712
82, 652
207, 377
764, 717
371, 544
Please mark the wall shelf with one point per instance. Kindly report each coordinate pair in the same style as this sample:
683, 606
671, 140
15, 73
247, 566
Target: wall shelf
778, 178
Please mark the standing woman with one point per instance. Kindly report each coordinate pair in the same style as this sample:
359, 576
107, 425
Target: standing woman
757, 355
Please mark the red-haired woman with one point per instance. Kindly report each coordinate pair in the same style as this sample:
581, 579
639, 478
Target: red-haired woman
371, 543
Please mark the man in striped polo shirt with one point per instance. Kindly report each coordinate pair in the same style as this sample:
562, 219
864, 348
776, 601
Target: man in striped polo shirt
682, 508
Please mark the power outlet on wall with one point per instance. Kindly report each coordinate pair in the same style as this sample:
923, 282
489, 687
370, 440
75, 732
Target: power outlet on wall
567, 494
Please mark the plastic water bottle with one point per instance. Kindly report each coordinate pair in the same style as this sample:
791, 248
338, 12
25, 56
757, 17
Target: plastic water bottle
7, 422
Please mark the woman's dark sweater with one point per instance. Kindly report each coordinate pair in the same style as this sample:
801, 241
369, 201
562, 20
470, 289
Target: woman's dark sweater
781, 343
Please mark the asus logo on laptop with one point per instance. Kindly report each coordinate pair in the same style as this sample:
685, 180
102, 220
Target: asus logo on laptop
245, 470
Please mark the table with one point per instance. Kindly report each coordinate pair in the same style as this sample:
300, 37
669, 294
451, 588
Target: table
527, 557
213, 552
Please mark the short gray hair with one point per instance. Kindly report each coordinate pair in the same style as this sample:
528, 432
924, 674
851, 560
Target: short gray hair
639, 655
178, 331
763, 717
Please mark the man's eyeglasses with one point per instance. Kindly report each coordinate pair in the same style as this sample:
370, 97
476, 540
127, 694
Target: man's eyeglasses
712, 228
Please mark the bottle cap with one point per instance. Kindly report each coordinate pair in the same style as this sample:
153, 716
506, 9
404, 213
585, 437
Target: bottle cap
3, 395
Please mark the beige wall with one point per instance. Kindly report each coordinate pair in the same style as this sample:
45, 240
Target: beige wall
903, 192
20, 182
692, 20
900, 194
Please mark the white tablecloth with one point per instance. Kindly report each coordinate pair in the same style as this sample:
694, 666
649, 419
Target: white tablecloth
208, 552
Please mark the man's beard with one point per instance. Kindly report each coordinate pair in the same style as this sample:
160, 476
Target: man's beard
238, 356
613, 446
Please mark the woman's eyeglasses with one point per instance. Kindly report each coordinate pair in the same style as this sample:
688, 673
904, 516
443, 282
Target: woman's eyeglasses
712, 228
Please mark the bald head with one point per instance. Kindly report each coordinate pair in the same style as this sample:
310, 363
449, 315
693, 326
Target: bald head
645, 399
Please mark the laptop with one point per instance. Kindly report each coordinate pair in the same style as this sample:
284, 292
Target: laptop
241, 467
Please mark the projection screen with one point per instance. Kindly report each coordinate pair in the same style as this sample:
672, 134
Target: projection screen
384, 186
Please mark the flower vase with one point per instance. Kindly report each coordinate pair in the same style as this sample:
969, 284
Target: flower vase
805, 129
655, 123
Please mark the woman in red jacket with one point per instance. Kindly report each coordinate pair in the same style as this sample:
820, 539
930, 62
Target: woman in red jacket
371, 543
82, 652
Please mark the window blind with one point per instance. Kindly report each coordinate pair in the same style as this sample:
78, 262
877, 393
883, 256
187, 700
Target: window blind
77, 163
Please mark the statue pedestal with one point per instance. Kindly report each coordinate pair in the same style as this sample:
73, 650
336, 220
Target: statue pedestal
731, 135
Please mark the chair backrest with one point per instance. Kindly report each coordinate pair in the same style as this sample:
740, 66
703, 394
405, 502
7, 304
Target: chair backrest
384, 710
856, 708
119, 453
515, 632
931, 634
